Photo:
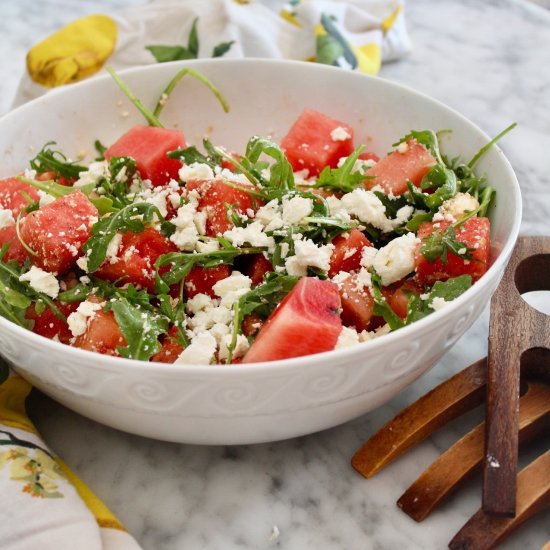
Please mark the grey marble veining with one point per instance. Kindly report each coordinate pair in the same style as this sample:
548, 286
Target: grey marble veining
490, 61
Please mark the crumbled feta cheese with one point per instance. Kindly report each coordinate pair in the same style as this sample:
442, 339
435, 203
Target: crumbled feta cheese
348, 337
368, 208
367, 256
340, 134
295, 209
200, 351
78, 320
44, 198
403, 147
241, 346
200, 302
253, 234
6, 218
365, 335
95, 171
189, 225
41, 281
438, 303
113, 248
308, 254
397, 259
195, 171
232, 288
360, 165
270, 215
82, 263
454, 208
208, 246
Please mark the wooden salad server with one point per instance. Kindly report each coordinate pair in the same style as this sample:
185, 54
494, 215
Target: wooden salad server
519, 341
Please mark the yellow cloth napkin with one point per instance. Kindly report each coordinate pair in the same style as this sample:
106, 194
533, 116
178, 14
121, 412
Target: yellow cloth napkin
44, 505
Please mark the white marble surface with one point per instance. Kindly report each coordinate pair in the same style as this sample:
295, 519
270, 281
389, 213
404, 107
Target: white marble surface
490, 61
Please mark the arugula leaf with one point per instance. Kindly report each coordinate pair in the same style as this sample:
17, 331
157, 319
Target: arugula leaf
261, 300
443, 180
50, 160
381, 306
342, 179
18, 295
130, 218
183, 262
439, 243
176, 315
140, 327
100, 148
419, 307
222, 48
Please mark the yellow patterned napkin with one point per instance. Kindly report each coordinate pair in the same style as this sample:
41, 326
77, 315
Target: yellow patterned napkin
353, 34
44, 505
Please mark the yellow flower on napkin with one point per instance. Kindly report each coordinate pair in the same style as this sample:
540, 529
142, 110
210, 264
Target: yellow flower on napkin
74, 53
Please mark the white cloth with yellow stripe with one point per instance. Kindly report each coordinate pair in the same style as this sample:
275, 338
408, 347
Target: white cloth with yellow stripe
353, 34
44, 505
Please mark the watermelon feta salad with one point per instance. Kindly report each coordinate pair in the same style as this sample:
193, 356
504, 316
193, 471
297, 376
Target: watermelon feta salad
164, 251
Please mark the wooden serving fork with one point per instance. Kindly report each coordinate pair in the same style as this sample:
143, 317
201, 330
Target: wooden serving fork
519, 350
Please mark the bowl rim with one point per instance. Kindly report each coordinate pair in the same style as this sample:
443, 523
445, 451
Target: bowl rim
339, 355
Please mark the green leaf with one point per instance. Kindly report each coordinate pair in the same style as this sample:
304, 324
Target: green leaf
140, 327
222, 48
443, 180
342, 179
448, 290
438, 244
164, 54
50, 160
130, 218
193, 39
381, 306
100, 148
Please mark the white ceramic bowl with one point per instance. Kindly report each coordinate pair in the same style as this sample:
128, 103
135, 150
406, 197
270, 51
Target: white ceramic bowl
264, 401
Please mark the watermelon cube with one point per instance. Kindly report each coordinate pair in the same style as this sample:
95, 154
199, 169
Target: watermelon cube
474, 233
315, 141
200, 280
57, 231
409, 162
134, 261
12, 197
346, 255
306, 322
357, 304
148, 146
16, 251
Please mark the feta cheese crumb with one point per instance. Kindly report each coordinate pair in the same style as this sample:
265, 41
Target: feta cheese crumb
308, 254
113, 248
437, 303
241, 346
44, 198
96, 170
41, 281
368, 208
348, 337
201, 350
253, 234
195, 171
82, 263
403, 147
396, 260
339, 134
295, 209
78, 320
232, 288
6, 218
454, 208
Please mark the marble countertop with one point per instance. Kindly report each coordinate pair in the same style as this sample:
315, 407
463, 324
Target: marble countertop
490, 61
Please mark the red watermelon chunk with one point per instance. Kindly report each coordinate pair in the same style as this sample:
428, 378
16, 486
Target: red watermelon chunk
357, 304
474, 233
148, 146
102, 335
213, 195
12, 197
347, 252
16, 251
170, 348
200, 280
399, 294
315, 141
411, 162
48, 325
58, 230
135, 259
305, 322
257, 268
